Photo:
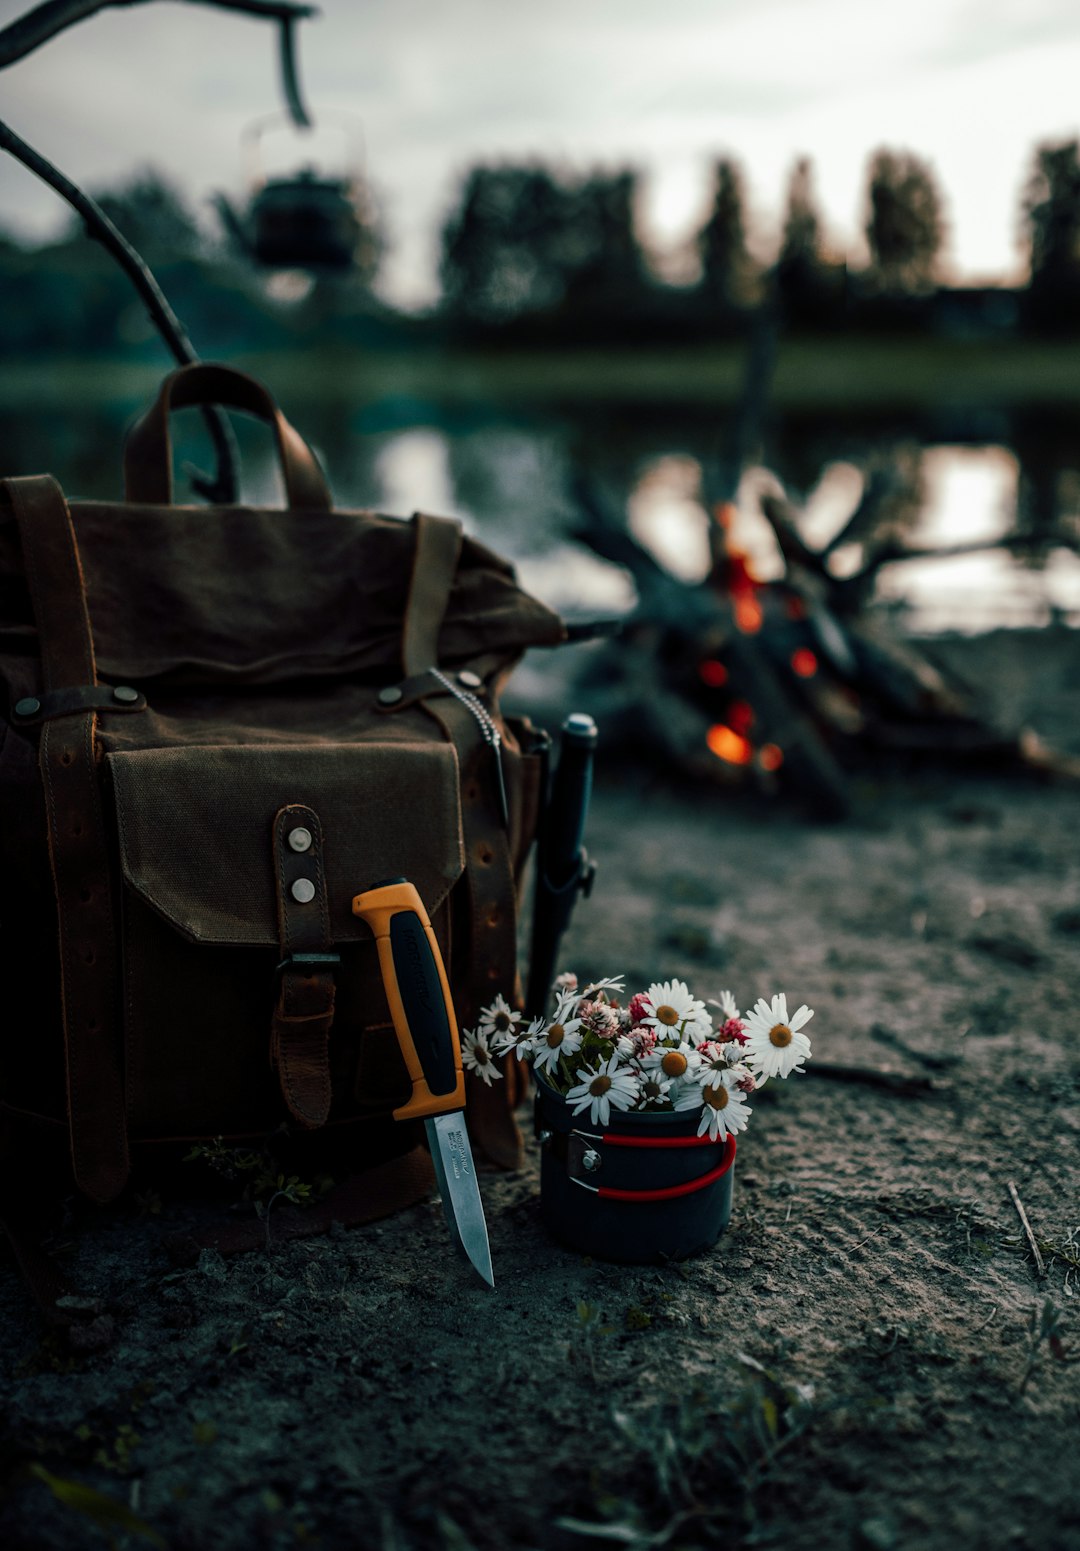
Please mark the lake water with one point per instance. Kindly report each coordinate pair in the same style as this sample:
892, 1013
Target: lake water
511, 479
969, 496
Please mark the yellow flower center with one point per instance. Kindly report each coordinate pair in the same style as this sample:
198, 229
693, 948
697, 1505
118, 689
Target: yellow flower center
599, 1085
673, 1064
780, 1035
502, 1021
667, 1015
555, 1036
716, 1098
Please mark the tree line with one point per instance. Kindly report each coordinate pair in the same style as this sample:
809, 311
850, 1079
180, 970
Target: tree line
530, 252
525, 244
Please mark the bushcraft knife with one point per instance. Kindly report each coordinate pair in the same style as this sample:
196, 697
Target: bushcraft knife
423, 1012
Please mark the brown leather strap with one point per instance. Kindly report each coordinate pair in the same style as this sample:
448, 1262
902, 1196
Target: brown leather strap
148, 451
32, 709
55, 579
78, 849
304, 1013
492, 964
435, 558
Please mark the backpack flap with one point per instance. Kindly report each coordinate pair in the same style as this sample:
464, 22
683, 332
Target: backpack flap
239, 867
182, 595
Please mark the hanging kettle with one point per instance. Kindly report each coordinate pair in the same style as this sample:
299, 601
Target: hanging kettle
302, 220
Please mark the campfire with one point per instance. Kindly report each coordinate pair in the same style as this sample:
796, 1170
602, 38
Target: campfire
796, 683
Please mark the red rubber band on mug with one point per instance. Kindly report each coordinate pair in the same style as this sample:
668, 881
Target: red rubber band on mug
670, 1192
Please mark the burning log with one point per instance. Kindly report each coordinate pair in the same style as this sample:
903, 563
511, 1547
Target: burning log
691, 678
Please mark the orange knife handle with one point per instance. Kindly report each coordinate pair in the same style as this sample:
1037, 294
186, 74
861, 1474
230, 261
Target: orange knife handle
418, 992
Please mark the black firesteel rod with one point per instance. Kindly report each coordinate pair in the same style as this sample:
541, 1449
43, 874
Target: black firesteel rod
563, 868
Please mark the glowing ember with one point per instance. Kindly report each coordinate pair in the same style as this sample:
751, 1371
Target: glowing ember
748, 615
712, 673
727, 745
804, 662
741, 716
771, 756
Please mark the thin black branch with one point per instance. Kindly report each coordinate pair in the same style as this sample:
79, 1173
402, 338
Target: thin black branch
290, 80
98, 226
273, 10
29, 32
45, 21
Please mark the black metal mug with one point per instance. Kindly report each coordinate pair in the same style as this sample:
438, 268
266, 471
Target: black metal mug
643, 1189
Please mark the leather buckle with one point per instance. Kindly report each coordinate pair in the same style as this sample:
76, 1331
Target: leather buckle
305, 960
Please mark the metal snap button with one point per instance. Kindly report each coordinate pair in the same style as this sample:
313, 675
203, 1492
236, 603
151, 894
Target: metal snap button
125, 694
470, 680
300, 839
391, 695
303, 891
590, 1160
27, 707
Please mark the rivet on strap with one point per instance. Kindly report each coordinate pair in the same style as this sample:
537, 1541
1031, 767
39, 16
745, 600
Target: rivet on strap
304, 1008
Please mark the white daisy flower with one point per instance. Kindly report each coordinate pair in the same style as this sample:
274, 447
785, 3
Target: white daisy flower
654, 1088
598, 1091
561, 1037
775, 1047
478, 1057
499, 1018
519, 1042
564, 984
686, 1094
676, 1061
714, 1065
724, 1112
673, 1011
614, 983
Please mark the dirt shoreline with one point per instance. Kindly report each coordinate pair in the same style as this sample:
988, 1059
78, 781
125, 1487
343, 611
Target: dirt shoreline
869, 1309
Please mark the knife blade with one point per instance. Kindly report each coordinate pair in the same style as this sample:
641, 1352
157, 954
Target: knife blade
421, 1006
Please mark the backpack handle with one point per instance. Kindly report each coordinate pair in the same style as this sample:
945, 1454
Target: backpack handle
148, 449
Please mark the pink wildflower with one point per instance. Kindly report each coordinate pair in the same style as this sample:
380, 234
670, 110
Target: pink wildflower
640, 1007
733, 1029
747, 1084
599, 1017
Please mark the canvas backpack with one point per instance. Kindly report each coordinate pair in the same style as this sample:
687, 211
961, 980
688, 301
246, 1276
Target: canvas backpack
219, 724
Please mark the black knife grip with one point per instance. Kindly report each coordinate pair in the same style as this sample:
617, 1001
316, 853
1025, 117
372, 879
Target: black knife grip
421, 995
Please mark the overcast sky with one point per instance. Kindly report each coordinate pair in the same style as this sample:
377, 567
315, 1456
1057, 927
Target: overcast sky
664, 84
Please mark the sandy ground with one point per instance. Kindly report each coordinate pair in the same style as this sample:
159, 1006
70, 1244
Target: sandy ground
869, 1358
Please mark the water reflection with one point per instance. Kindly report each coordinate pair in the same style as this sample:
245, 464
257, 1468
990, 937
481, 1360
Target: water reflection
511, 481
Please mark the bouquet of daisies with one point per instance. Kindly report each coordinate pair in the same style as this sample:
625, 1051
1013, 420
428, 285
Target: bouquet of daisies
660, 1050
